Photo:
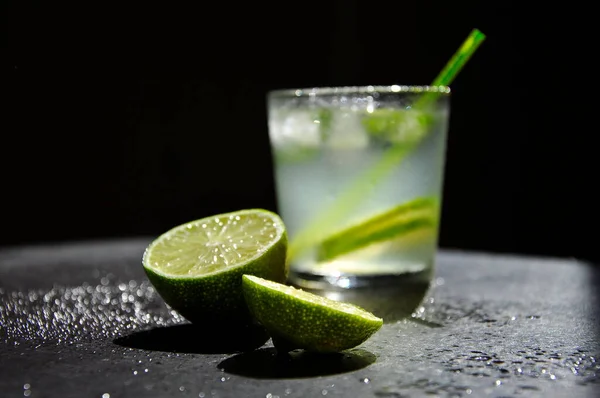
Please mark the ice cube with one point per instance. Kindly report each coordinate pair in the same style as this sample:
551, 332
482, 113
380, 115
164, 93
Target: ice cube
294, 128
346, 131
411, 128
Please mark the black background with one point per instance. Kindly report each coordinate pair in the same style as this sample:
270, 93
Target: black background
127, 120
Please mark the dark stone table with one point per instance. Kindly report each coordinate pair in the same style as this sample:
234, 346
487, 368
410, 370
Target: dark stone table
81, 320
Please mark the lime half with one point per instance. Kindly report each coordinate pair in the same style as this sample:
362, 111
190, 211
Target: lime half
297, 319
197, 267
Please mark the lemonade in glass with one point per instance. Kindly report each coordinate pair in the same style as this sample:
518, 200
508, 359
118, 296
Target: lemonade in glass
358, 176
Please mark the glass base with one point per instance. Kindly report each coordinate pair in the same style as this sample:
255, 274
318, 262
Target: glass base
391, 297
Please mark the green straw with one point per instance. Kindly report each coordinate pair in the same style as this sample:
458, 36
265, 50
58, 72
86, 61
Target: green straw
459, 59
456, 63
319, 228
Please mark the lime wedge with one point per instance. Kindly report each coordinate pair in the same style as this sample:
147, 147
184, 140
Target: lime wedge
197, 267
416, 215
297, 319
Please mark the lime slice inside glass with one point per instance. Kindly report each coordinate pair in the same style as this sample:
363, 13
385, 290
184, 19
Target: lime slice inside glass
197, 267
401, 221
297, 319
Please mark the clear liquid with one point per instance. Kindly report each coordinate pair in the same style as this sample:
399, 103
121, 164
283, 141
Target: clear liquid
313, 166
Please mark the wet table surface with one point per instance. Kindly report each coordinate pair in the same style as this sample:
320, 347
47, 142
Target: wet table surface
81, 320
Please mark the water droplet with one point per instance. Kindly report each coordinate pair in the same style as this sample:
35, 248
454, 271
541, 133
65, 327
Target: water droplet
324, 392
498, 382
135, 372
469, 391
366, 380
26, 386
182, 388
106, 395
288, 391
27, 393
201, 395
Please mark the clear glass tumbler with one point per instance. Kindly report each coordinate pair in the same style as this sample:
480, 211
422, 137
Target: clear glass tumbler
358, 176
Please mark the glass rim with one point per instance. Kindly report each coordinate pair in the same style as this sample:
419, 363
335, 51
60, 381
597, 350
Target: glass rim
390, 89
